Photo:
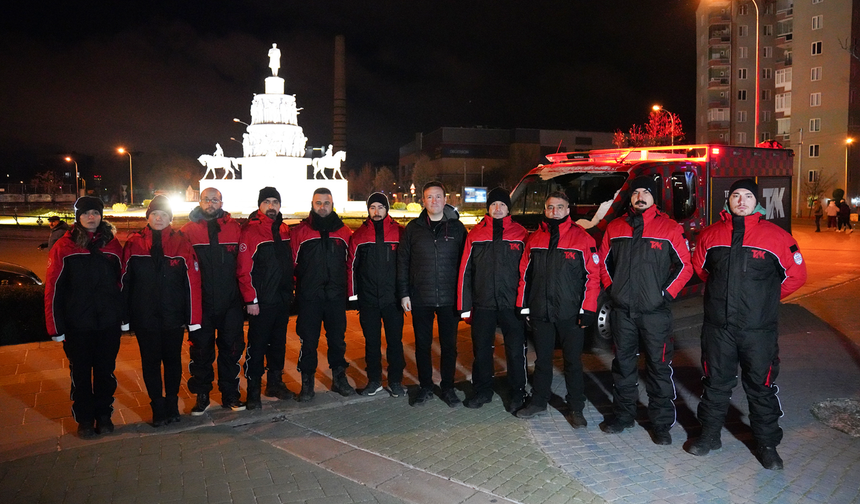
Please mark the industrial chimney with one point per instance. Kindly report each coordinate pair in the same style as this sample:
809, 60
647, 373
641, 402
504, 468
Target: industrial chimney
339, 133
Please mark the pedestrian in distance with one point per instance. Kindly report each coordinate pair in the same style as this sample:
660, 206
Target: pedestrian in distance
161, 292
214, 234
748, 264
645, 262
372, 285
320, 248
844, 217
818, 212
487, 293
832, 212
83, 309
428, 263
558, 288
265, 272
58, 229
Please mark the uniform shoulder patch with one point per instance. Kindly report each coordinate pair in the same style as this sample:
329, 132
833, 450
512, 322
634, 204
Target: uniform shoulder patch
798, 259
595, 258
243, 247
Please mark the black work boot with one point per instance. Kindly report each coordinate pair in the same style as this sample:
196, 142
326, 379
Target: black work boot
307, 392
340, 384
703, 445
254, 386
159, 415
171, 409
769, 458
276, 388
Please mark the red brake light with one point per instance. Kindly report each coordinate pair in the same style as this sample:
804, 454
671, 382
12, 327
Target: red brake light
715, 151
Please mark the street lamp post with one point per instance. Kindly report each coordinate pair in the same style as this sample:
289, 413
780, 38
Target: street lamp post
121, 150
659, 108
237, 120
77, 177
848, 142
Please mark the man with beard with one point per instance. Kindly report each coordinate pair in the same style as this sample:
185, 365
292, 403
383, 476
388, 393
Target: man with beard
489, 277
320, 247
558, 290
748, 264
215, 238
645, 263
372, 278
265, 272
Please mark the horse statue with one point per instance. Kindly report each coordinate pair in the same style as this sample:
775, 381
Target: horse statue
329, 161
214, 162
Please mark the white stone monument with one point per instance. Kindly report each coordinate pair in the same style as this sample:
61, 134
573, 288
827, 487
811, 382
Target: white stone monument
274, 155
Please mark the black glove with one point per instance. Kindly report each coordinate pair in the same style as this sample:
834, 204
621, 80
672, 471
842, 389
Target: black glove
587, 318
42, 246
668, 297
352, 305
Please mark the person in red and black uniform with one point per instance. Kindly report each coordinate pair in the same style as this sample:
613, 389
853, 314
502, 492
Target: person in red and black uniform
265, 272
487, 292
428, 262
83, 309
748, 264
558, 288
320, 249
644, 264
214, 234
161, 288
372, 278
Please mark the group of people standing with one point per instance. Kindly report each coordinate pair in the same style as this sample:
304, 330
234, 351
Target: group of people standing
496, 275
838, 216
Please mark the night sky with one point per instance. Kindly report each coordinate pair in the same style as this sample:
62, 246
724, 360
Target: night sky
165, 79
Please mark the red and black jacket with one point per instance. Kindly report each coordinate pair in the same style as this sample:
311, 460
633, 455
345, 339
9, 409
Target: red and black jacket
372, 263
559, 276
216, 244
82, 285
320, 262
642, 257
160, 293
489, 270
748, 265
264, 267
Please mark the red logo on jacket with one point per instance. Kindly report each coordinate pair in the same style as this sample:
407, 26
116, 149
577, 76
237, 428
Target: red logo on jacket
656, 245
393, 246
515, 246
569, 255
174, 263
758, 254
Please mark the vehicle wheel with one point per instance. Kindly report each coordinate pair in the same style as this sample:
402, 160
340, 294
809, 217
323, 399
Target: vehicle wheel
602, 326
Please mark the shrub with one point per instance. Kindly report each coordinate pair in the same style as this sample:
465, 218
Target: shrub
122, 207
399, 206
413, 207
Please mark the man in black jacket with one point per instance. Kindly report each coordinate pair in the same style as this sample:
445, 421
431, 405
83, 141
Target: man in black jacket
371, 277
427, 269
489, 277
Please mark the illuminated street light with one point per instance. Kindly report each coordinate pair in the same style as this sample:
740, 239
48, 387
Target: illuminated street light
241, 122
77, 177
658, 108
121, 150
848, 142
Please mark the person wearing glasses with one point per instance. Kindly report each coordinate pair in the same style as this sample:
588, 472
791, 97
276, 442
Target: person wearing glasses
214, 234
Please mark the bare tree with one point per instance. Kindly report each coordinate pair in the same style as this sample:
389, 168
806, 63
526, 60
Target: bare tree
384, 180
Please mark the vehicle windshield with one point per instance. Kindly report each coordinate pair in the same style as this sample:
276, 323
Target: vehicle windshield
583, 188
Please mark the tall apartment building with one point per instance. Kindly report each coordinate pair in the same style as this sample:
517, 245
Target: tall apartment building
807, 66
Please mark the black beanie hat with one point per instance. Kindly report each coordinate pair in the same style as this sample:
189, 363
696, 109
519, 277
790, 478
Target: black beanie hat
643, 183
498, 194
748, 184
377, 197
159, 203
266, 193
87, 203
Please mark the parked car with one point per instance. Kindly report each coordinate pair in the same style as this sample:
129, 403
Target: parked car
22, 305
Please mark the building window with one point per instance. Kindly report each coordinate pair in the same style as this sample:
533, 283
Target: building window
815, 125
783, 77
766, 94
783, 126
767, 30
743, 9
817, 22
764, 136
742, 116
766, 73
743, 52
814, 150
742, 73
817, 1
816, 48
742, 137
765, 115
743, 30
813, 176
767, 52
815, 99
742, 94
815, 74
783, 102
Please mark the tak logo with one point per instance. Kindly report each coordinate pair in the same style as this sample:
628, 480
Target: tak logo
231, 248
393, 246
569, 255
174, 263
515, 246
773, 202
758, 254
656, 245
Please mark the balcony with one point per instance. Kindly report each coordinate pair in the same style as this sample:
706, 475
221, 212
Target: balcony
718, 125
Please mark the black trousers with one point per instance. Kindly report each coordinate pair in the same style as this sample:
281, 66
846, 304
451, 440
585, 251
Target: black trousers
371, 320
422, 324
818, 222
571, 337
757, 352
226, 331
267, 338
312, 315
484, 324
92, 360
157, 349
654, 332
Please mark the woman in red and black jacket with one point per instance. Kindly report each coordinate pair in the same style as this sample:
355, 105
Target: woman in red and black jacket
83, 309
161, 287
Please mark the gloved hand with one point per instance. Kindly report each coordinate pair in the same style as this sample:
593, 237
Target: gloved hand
587, 318
352, 304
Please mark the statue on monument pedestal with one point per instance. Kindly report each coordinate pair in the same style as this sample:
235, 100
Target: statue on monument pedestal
330, 160
274, 59
218, 160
